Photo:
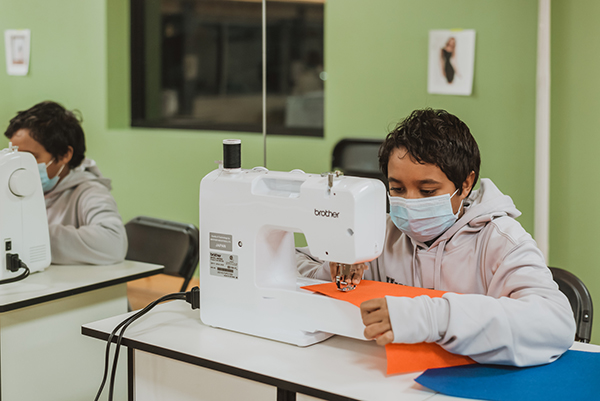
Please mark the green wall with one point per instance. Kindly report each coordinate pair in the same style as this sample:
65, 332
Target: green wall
376, 59
575, 165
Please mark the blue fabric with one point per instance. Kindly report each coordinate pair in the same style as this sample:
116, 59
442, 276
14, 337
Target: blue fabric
574, 376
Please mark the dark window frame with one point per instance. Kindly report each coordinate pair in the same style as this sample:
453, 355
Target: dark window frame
138, 91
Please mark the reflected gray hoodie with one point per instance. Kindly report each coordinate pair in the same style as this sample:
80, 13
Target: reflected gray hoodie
502, 306
85, 226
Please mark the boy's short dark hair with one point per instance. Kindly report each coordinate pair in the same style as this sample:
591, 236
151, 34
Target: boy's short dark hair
435, 137
54, 127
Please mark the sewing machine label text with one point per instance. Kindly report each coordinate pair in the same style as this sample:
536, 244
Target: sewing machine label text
327, 213
221, 242
223, 265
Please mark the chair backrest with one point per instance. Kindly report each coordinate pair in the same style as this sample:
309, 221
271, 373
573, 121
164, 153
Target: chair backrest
358, 157
580, 299
171, 244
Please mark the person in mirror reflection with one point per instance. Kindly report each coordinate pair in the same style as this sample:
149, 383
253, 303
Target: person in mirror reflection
306, 74
502, 305
83, 220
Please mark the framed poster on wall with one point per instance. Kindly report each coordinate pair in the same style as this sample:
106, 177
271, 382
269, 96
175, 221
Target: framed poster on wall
451, 62
17, 50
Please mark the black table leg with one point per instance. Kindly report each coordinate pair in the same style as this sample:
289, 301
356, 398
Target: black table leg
285, 395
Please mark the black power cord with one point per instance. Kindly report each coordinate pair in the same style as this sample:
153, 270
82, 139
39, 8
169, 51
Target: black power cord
13, 263
192, 297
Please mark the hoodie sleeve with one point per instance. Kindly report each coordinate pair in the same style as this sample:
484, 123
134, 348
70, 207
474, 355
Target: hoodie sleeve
522, 320
100, 238
309, 266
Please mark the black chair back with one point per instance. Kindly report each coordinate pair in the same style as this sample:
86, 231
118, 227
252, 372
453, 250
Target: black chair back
580, 299
171, 244
358, 157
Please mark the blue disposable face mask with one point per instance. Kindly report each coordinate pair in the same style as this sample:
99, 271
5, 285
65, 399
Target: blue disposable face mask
423, 219
48, 183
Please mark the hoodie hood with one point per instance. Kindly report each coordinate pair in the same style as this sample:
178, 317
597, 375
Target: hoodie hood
87, 171
480, 208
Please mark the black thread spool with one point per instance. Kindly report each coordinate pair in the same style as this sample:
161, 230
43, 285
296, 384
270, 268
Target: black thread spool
232, 154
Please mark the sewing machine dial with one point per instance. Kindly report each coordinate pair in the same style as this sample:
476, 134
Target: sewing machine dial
22, 183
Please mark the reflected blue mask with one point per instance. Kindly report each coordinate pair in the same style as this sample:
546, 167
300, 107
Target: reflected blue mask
48, 183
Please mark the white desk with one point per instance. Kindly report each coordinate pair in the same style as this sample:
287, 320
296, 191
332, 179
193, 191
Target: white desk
177, 358
42, 353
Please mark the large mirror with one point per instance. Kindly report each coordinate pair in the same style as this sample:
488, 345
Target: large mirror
197, 64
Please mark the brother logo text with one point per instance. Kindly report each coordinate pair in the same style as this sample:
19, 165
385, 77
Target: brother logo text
327, 213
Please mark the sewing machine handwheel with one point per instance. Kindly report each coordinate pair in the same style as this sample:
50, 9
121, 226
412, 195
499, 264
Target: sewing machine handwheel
22, 183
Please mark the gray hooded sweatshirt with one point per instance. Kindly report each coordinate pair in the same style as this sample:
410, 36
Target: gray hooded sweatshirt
85, 226
502, 306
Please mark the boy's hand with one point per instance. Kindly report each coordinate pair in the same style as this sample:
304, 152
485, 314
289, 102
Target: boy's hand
376, 318
357, 272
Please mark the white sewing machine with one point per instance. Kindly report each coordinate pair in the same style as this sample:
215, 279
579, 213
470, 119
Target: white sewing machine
248, 275
23, 219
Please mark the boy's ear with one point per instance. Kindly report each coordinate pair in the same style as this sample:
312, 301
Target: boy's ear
66, 158
468, 184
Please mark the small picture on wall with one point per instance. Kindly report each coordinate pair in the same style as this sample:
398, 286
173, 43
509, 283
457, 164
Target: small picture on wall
451, 62
17, 46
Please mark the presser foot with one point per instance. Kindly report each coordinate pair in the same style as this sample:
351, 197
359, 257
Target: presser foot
344, 279
343, 285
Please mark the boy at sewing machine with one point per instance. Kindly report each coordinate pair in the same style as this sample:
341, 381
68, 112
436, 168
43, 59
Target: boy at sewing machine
85, 226
502, 306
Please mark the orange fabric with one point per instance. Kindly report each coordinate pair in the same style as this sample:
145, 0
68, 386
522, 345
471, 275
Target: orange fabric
368, 289
401, 358
406, 358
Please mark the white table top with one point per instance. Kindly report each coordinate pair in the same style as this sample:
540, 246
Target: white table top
59, 281
341, 366
174, 330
